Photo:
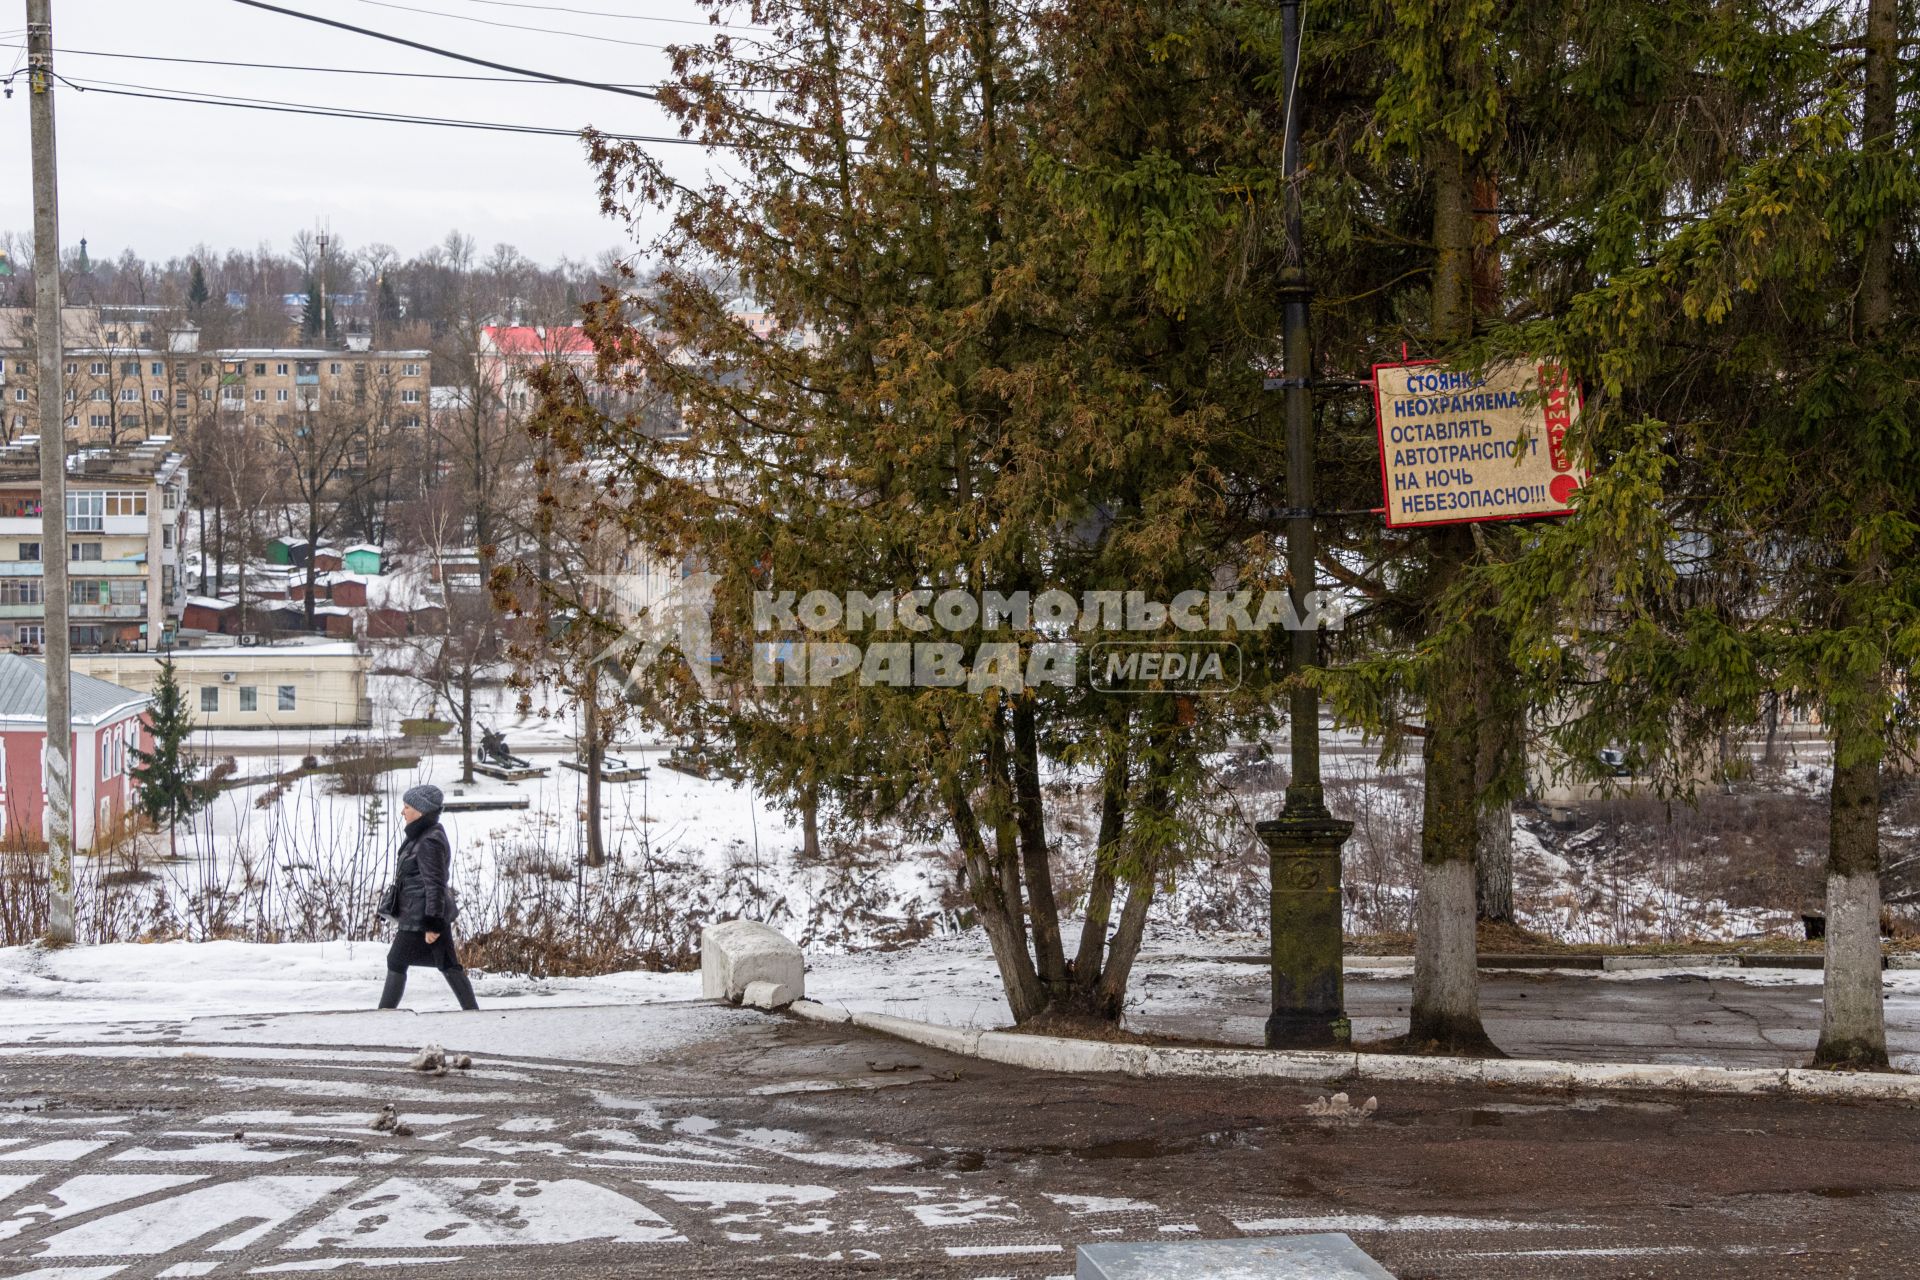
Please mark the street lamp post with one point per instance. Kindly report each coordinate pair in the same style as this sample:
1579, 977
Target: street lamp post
1304, 842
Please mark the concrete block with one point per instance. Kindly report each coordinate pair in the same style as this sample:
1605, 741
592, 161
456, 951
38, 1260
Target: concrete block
1322, 1256
767, 995
1413, 1069
962, 1040
814, 1011
1248, 1064
1054, 1053
1865, 1086
737, 952
1678, 1078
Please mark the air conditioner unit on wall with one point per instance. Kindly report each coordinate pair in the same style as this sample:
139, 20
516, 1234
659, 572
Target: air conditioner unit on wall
228, 677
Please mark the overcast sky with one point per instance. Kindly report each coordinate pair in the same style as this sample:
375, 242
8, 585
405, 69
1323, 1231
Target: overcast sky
160, 177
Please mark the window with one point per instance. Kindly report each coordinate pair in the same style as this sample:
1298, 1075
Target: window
72, 368
170, 498
130, 421
386, 368
260, 370
166, 535
409, 397
286, 697
83, 551
129, 368
32, 637
129, 395
260, 395
333, 368
410, 370
99, 393
206, 368
281, 369
157, 395
19, 393
249, 698
98, 368
123, 502
157, 369
206, 393
20, 366
21, 590
210, 698
30, 552
84, 509
180, 399
179, 370
281, 395
100, 420
113, 337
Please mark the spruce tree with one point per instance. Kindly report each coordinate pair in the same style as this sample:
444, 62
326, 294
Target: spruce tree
313, 325
167, 777
197, 293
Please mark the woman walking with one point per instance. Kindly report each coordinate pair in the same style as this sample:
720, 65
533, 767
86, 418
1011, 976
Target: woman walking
422, 901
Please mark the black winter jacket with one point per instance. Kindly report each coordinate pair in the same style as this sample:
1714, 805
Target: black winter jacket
425, 860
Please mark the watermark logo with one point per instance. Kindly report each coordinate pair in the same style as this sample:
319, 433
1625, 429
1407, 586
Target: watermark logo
1145, 666
656, 617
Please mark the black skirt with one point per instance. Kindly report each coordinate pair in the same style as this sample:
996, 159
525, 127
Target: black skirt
410, 947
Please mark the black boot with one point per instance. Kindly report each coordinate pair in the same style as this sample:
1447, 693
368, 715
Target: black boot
396, 987
462, 989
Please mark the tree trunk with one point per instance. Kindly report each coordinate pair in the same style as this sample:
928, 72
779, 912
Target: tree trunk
810, 824
1025, 996
1088, 960
1030, 812
596, 846
1853, 1026
1445, 1012
466, 724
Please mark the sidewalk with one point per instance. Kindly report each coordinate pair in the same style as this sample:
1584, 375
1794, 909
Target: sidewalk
1710, 1014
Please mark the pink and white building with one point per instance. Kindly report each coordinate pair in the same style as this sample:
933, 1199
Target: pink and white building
108, 722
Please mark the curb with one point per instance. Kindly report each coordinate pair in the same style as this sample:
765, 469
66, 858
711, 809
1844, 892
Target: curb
1057, 1053
1599, 964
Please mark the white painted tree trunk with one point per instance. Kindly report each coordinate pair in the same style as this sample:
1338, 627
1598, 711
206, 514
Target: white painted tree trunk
1853, 1010
1446, 975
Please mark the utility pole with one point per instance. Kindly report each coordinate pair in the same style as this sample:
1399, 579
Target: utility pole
1304, 842
57, 771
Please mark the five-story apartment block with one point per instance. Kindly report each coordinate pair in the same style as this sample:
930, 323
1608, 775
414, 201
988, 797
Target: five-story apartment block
124, 521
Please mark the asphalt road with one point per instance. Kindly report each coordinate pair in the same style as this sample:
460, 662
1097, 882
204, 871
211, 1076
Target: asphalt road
688, 1141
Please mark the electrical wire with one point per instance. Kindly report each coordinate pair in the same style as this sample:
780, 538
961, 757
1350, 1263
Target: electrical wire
511, 26
448, 53
110, 89
291, 66
602, 13
346, 71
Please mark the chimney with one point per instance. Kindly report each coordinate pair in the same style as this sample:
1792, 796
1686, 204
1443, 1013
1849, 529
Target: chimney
540, 332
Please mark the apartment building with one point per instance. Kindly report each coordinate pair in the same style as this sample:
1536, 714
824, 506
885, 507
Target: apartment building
124, 514
134, 374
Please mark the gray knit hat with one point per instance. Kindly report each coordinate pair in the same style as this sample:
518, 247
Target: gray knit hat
426, 797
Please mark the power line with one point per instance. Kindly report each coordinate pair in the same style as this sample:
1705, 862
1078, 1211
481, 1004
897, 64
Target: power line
353, 113
345, 71
448, 53
510, 26
628, 17
288, 66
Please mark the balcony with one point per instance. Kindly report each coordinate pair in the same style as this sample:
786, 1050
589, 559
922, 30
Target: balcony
22, 610
20, 527
94, 612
